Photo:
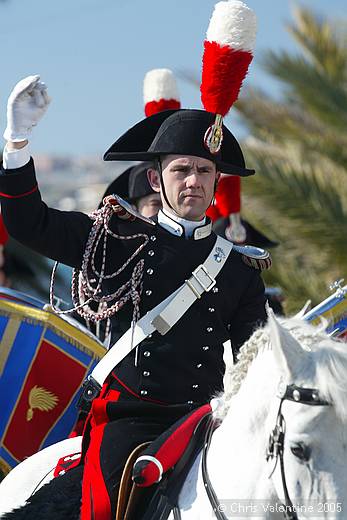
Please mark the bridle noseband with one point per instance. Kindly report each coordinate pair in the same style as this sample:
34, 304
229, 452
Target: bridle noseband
275, 449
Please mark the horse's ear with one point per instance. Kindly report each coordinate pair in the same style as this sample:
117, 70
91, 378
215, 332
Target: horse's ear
287, 350
304, 310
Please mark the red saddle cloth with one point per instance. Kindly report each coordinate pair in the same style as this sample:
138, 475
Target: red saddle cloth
163, 453
67, 462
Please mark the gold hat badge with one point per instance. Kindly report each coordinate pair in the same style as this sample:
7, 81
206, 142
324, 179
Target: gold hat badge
41, 399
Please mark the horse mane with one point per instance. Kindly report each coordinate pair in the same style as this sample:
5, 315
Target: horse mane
326, 364
236, 373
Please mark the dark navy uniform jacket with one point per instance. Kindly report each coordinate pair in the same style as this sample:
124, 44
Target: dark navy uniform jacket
186, 364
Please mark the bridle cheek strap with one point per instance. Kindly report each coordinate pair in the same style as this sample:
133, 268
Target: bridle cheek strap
275, 449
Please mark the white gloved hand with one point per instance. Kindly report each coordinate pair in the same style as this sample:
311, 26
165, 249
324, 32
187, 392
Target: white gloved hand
26, 105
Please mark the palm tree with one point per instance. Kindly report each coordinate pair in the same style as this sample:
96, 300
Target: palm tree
299, 149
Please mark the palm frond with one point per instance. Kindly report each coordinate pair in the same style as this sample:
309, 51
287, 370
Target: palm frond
302, 268
316, 92
322, 42
312, 211
276, 122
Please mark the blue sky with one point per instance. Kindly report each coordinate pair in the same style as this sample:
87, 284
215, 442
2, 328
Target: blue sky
93, 55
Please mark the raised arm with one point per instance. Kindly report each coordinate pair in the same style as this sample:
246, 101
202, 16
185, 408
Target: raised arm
60, 235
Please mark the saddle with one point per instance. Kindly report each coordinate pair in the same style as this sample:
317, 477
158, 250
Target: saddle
154, 472
129, 494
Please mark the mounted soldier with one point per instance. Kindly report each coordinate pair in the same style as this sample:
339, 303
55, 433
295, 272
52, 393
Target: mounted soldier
173, 290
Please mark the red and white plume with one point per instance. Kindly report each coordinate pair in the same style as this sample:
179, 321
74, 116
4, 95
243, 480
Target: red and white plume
228, 52
227, 198
160, 91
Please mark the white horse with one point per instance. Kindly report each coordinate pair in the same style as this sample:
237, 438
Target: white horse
311, 478
33, 473
265, 397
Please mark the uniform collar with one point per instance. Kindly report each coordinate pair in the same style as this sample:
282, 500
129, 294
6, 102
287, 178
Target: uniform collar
181, 227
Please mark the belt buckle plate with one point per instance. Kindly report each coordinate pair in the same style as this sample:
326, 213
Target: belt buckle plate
202, 269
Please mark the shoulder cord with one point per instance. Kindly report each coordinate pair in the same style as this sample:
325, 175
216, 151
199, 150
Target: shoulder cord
86, 283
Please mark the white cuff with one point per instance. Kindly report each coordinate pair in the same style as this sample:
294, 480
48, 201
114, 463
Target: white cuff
15, 158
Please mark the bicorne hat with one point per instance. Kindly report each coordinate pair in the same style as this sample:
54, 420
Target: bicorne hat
178, 132
227, 55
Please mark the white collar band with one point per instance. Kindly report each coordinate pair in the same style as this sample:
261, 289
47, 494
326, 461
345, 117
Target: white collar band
181, 227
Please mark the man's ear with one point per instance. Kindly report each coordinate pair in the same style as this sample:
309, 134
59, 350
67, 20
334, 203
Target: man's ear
153, 179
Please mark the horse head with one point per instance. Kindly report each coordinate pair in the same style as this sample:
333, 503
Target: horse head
308, 473
281, 447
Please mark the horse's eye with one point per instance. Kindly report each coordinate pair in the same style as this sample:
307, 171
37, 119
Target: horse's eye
301, 451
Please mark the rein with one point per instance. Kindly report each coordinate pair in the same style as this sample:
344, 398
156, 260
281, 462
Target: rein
275, 449
216, 506
210, 427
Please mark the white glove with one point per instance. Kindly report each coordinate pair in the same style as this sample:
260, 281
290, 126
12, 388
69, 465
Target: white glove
26, 105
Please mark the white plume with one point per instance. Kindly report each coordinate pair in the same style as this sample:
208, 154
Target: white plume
159, 84
234, 24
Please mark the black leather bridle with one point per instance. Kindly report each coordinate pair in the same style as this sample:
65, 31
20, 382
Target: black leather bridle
275, 449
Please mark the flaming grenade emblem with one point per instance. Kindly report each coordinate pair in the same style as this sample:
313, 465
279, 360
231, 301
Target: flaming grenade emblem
41, 399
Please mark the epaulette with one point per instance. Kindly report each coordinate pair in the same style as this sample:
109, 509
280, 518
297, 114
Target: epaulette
254, 257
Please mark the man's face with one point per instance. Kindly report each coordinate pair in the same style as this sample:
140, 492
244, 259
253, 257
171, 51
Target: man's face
189, 185
149, 205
